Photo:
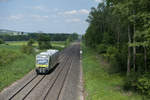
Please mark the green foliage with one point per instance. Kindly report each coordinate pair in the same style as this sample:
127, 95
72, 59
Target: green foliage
44, 41
98, 83
111, 55
34, 36
74, 36
16, 69
30, 42
1, 41
68, 41
27, 49
136, 81
143, 84
7, 56
120, 31
101, 48
131, 81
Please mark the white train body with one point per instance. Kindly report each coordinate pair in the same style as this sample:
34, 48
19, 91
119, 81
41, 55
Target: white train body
45, 61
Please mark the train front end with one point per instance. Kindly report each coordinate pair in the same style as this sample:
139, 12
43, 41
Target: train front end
42, 63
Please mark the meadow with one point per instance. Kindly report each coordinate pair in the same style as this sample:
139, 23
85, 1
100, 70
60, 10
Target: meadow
99, 84
14, 64
20, 43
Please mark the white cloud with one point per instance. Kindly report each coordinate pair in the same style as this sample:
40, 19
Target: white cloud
73, 20
16, 17
98, 1
40, 17
71, 12
84, 11
74, 12
40, 8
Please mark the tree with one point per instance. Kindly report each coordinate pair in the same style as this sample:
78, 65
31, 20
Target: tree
44, 41
30, 42
75, 36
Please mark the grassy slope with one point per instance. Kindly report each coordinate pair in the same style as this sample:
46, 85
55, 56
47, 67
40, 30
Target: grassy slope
15, 70
100, 85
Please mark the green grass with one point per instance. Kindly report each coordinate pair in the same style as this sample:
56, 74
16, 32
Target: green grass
15, 70
58, 44
10, 47
98, 84
20, 43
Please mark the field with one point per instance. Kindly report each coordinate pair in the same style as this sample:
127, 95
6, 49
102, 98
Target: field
14, 64
99, 85
19, 43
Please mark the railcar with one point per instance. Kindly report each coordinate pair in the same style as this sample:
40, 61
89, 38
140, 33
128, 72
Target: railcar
45, 61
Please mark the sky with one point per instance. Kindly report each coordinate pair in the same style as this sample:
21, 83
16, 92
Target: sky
51, 16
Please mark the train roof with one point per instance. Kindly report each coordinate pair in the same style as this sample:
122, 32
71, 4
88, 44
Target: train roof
52, 50
49, 52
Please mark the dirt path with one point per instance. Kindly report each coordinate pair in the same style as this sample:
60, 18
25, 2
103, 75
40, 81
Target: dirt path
63, 83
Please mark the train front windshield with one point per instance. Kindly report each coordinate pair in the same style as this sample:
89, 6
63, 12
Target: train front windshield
42, 61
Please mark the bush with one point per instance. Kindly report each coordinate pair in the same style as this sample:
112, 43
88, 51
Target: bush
143, 84
101, 48
1, 41
44, 41
111, 53
136, 81
27, 49
44, 45
131, 81
30, 42
117, 58
68, 41
7, 56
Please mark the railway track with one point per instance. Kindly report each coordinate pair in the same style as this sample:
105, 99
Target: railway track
47, 87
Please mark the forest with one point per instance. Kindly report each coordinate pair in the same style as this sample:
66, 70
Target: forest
119, 30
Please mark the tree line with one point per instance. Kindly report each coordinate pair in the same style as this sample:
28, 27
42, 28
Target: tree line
120, 31
35, 36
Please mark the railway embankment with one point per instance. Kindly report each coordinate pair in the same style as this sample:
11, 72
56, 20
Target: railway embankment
99, 84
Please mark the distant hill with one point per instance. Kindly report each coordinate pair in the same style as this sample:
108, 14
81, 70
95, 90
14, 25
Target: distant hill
11, 32
5, 30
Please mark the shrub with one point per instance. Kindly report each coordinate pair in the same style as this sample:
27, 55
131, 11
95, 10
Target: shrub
30, 42
136, 81
117, 58
111, 53
1, 41
7, 56
44, 41
27, 49
143, 84
131, 81
44, 45
68, 41
101, 48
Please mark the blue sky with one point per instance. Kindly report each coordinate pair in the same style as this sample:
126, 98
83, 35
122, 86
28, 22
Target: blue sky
52, 16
